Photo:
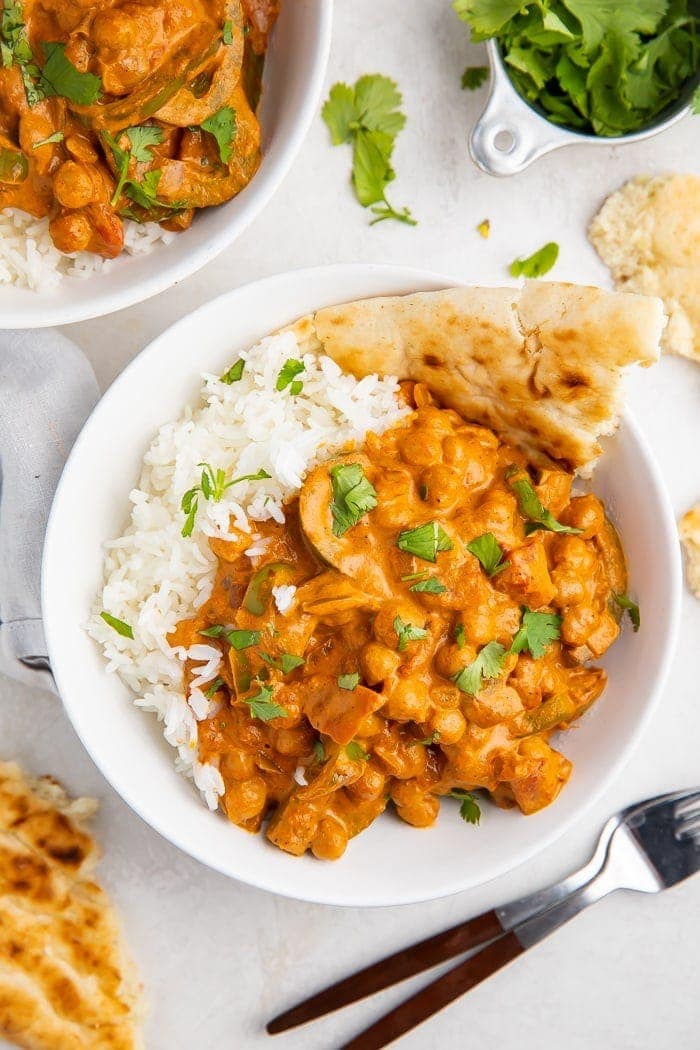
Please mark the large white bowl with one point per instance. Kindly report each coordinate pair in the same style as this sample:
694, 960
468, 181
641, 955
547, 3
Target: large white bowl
293, 80
91, 506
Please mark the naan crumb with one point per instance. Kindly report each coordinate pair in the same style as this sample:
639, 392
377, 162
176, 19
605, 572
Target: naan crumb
689, 529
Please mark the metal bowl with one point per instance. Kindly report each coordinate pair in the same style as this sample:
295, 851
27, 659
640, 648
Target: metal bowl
510, 134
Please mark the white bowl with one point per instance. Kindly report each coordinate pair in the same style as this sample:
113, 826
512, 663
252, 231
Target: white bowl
91, 506
293, 80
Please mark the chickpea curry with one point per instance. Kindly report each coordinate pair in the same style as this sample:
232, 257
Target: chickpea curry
441, 601
136, 109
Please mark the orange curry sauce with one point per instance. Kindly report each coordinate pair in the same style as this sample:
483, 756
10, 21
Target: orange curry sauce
385, 706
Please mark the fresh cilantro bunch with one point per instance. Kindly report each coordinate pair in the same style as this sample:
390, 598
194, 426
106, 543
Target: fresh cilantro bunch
607, 66
368, 116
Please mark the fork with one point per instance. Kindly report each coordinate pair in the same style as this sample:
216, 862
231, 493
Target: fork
647, 847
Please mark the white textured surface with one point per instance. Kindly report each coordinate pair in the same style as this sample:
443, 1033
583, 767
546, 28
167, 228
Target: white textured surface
219, 958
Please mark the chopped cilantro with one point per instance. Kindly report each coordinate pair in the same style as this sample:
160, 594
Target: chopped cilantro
353, 496
631, 607
430, 586
239, 639
288, 371
537, 632
407, 632
487, 549
356, 752
214, 688
537, 264
222, 125
425, 541
530, 506
60, 77
488, 664
473, 77
118, 625
349, 681
234, 373
262, 705
469, 809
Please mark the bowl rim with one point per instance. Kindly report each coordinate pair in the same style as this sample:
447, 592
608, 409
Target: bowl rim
262, 188
271, 883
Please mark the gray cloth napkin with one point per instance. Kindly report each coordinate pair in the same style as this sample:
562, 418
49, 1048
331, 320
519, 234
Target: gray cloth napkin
47, 389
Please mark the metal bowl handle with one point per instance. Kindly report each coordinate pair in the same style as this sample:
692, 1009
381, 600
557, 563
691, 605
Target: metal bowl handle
509, 135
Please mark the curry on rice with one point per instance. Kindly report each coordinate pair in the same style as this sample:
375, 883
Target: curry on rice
133, 109
419, 626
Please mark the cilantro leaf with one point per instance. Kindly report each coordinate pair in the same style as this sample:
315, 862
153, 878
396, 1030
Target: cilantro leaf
57, 136
222, 125
469, 809
234, 373
537, 632
460, 635
319, 751
287, 372
286, 662
530, 506
631, 607
60, 77
425, 541
488, 664
537, 264
239, 639
430, 586
598, 17
353, 496
118, 625
142, 137
356, 752
407, 632
262, 705
349, 681
212, 485
214, 687
487, 549
369, 118
215, 631
473, 77
227, 32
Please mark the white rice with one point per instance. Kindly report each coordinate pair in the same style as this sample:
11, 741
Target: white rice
28, 258
155, 577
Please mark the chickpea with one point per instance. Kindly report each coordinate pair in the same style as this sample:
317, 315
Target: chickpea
446, 696
245, 799
585, 512
409, 761
449, 723
369, 786
383, 626
71, 232
295, 741
80, 148
414, 805
238, 764
443, 487
76, 185
450, 659
330, 841
377, 662
408, 701
420, 448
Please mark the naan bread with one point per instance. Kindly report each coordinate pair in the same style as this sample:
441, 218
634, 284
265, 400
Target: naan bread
648, 233
541, 365
66, 980
689, 528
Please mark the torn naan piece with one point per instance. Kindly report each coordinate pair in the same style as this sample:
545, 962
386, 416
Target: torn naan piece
689, 529
541, 365
648, 234
66, 979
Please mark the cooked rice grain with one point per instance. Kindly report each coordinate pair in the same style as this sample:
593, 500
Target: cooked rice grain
155, 577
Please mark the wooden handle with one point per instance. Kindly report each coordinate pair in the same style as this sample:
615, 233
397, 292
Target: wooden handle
397, 967
438, 994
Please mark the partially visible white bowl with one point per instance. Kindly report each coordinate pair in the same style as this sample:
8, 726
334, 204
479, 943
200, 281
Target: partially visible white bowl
294, 70
391, 863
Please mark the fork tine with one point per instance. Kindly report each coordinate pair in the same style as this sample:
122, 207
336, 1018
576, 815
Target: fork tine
687, 808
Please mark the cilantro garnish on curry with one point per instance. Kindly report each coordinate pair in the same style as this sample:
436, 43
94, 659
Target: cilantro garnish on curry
143, 112
447, 598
